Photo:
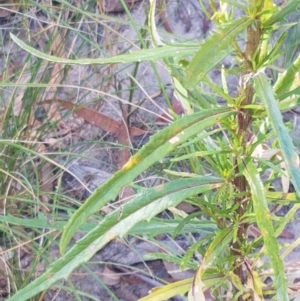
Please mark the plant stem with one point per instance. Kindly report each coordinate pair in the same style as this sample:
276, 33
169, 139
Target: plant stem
244, 121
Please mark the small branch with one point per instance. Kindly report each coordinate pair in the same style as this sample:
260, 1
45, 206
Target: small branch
244, 121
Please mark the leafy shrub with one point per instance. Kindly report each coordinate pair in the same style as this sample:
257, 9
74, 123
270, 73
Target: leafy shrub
235, 144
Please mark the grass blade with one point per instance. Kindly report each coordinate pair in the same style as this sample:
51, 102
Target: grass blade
136, 56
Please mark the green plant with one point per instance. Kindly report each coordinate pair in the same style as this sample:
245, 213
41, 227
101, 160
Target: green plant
237, 142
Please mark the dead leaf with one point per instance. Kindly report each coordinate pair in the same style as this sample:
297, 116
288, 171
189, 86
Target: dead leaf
263, 151
104, 122
175, 272
196, 292
165, 118
98, 119
134, 131
125, 194
254, 283
186, 207
164, 16
177, 107
110, 277
123, 139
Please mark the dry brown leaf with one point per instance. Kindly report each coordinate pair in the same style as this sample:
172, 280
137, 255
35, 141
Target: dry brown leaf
134, 131
186, 207
175, 272
110, 277
254, 284
125, 194
165, 118
123, 139
98, 119
263, 151
106, 123
164, 16
55, 143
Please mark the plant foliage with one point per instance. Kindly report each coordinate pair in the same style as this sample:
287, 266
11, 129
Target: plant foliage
229, 139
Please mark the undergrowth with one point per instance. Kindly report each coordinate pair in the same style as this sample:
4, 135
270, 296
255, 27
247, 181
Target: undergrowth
218, 165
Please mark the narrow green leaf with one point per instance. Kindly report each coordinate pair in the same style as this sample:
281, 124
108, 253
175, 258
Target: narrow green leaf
215, 49
168, 291
179, 90
201, 154
190, 252
174, 258
289, 7
221, 240
155, 38
159, 145
291, 98
153, 55
152, 228
156, 227
185, 221
41, 222
218, 245
264, 222
265, 93
289, 79
144, 206
181, 287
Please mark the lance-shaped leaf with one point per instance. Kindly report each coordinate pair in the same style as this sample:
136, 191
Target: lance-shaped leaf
216, 48
154, 227
180, 51
289, 80
180, 287
143, 206
159, 145
168, 291
265, 93
281, 12
214, 250
264, 222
